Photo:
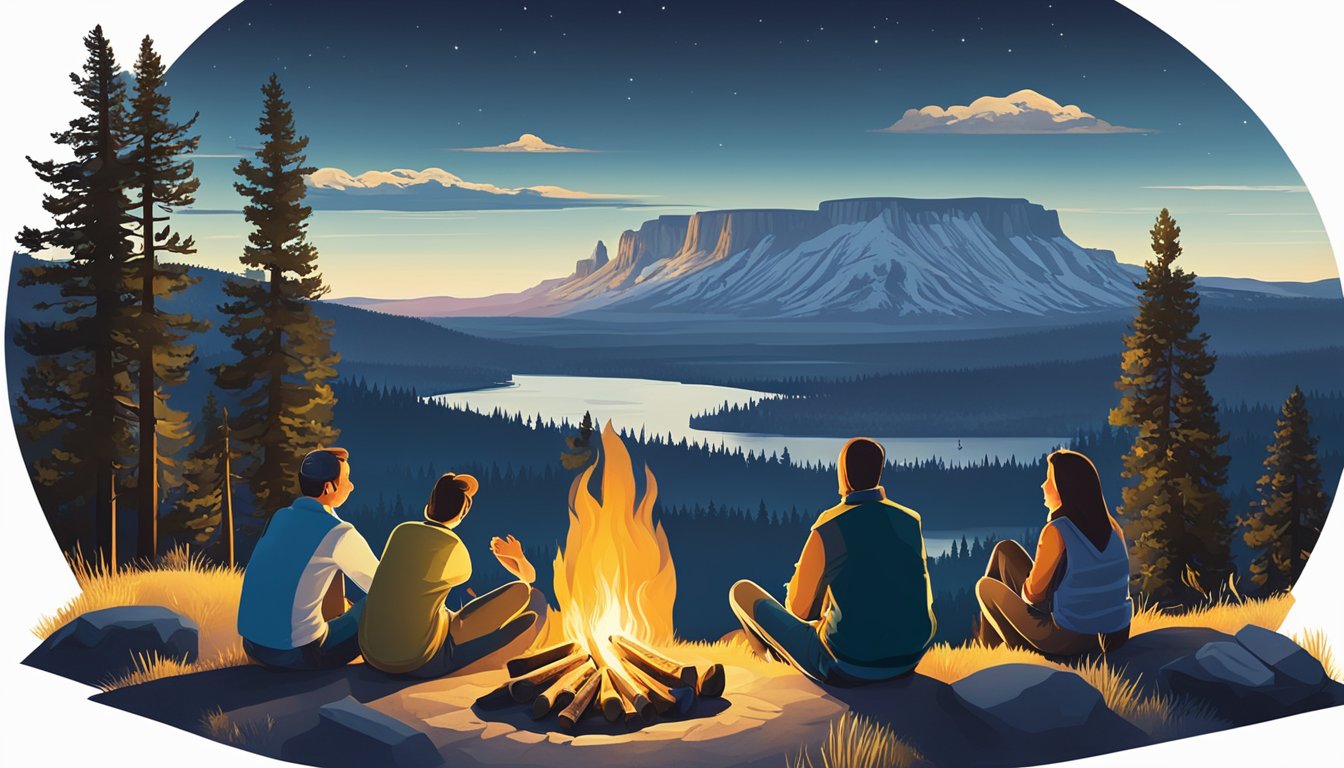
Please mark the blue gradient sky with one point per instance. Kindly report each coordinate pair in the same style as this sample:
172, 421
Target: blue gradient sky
750, 104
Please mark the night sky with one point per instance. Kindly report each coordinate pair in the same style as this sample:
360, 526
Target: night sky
697, 105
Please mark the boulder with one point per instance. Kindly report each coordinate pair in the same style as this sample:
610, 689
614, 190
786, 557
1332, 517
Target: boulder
1293, 667
1043, 714
1140, 658
352, 734
104, 644
1236, 684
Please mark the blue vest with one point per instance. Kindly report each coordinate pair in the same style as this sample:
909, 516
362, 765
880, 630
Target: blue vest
1093, 596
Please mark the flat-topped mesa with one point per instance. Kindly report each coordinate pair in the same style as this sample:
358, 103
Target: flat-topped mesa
712, 236
1006, 217
657, 239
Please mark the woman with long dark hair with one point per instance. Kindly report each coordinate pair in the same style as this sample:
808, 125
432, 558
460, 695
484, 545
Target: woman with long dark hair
1073, 598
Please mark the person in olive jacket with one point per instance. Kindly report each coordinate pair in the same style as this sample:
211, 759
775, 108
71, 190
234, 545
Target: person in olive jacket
407, 627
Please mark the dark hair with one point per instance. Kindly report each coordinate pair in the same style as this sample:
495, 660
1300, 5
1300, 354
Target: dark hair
1081, 500
862, 460
319, 468
447, 500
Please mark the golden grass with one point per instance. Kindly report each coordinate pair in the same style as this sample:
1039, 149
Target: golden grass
1315, 642
154, 667
950, 663
181, 582
855, 741
1123, 697
1225, 616
221, 727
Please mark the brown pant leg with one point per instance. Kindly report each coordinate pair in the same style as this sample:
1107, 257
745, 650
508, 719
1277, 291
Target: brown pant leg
1010, 564
489, 612
1019, 626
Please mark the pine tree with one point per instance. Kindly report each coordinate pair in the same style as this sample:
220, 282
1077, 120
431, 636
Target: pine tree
161, 181
285, 358
1174, 514
1286, 519
72, 409
198, 515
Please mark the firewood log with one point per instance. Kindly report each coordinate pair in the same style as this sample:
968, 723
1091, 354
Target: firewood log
497, 699
633, 701
664, 698
655, 664
608, 698
562, 691
711, 682
524, 689
530, 662
582, 700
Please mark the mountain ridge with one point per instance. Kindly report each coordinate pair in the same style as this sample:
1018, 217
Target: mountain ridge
855, 257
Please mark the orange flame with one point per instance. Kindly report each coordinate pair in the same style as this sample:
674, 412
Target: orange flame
615, 574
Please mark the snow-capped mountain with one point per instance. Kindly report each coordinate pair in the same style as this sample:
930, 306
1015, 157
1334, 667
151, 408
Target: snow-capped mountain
860, 258
889, 256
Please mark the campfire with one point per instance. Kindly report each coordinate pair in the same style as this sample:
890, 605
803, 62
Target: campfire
615, 583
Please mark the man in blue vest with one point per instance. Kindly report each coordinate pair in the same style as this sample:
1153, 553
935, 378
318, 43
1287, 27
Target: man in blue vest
290, 614
858, 608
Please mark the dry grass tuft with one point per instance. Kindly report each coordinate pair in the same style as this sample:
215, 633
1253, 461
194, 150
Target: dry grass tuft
154, 667
220, 726
1226, 617
950, 663
1122, 696
179, 581
855, 741
1315, 642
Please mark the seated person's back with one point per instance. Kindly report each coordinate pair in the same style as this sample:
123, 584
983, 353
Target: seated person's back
299, 563
877, 607
405, 621
407, 627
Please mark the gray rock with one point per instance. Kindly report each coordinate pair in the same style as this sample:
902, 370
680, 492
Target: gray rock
1292, 665
1029, 698
105, 644
1237, 685
349, 733
1043, 715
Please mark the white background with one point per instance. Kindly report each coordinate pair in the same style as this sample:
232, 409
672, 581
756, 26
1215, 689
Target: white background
1284, 58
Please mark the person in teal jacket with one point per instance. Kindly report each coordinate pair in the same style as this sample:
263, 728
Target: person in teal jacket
859, 607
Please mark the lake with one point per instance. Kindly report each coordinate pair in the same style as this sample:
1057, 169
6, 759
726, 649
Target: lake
665, 408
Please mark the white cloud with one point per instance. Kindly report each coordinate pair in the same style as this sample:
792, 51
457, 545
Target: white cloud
1023, 112
1235, 187
528, 142
434, 189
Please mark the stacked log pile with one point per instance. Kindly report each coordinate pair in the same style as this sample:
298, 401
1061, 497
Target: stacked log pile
641, 687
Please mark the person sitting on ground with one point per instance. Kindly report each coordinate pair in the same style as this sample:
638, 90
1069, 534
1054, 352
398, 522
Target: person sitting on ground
1074, 597
407, 627
859, 604
292, 613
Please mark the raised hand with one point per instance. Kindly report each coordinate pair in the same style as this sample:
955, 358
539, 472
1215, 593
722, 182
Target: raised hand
509, 552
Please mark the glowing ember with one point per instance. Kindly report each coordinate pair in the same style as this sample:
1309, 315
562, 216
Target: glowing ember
615, 575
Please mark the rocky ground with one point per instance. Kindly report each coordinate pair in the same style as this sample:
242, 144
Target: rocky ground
1013, 714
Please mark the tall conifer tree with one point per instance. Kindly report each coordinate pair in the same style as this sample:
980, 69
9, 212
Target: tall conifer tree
198, 514
162, 180
285, 358
73, 404
1285, 521
1174, 513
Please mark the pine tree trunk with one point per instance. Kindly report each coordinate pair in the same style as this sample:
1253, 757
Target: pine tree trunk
228, 492
147, 543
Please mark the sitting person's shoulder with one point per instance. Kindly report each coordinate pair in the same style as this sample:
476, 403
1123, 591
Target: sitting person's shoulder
908, 512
